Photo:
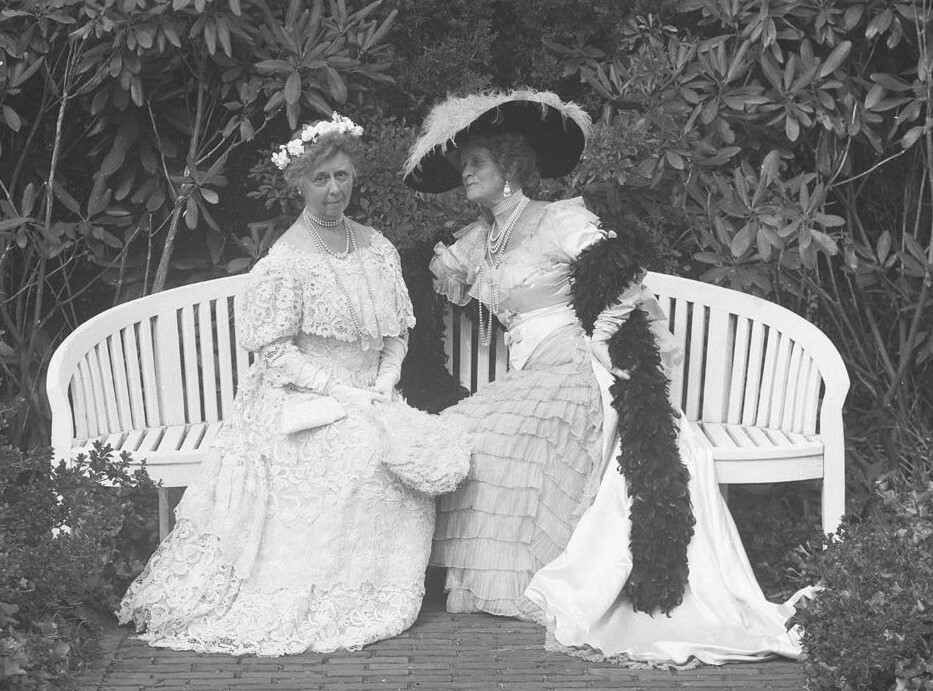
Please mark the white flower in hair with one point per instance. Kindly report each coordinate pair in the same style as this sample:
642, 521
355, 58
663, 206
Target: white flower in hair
280, 159
310, 134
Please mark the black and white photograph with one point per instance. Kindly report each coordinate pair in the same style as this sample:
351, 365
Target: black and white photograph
403, 345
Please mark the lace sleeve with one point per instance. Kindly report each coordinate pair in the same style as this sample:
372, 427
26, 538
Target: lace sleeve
270, 309
269, 317
284, 364
455, 267
403, 307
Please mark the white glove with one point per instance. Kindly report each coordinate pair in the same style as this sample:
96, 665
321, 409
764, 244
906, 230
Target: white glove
361, 398
286, 365
600, 350
390, 364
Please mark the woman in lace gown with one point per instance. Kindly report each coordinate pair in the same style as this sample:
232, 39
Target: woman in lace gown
522, 535
309, 526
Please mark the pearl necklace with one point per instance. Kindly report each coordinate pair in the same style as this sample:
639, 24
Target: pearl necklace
497, 238
495, 243
323, 222
351, 250
309, 221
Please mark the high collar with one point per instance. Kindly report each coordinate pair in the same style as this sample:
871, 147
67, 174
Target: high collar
501, 210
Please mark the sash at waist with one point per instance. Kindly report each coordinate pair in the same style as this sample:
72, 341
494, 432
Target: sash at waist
526, 331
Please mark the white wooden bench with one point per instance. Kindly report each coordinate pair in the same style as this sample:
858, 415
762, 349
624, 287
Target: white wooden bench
157, 376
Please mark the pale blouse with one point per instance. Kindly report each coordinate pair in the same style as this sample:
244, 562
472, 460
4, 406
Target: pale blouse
533, 276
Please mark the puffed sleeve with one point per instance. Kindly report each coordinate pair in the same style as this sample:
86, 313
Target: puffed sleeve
395, 340
270, 308
269, 319
567, 228
404, 311
455, 267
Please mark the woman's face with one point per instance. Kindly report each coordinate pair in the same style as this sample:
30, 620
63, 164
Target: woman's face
482, 178
327, 186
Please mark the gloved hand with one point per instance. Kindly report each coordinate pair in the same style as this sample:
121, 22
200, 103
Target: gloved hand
386, 381
390, 365
600, 350
362, 398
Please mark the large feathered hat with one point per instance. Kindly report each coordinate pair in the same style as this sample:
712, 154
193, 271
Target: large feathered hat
555, 129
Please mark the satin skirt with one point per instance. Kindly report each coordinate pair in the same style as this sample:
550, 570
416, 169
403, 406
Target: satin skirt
724, 616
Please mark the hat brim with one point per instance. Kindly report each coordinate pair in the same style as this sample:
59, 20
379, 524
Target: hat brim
558, 142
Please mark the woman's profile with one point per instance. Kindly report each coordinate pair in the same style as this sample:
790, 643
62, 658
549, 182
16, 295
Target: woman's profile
642, 566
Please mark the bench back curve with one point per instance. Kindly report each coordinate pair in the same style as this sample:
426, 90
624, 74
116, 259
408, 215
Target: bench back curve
165, 359
747, 361
172, 358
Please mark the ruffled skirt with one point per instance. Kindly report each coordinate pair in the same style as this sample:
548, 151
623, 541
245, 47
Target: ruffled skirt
535, 469
316, 540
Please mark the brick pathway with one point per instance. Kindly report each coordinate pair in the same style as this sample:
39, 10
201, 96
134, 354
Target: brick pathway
441, 651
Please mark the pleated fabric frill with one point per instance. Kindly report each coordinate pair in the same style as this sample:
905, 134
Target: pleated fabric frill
535, 469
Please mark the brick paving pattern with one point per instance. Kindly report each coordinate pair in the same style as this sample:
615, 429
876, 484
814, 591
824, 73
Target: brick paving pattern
441, 651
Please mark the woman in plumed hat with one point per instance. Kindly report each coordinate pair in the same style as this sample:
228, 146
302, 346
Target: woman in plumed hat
547, 526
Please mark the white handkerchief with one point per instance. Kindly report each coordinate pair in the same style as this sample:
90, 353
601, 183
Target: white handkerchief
310, 413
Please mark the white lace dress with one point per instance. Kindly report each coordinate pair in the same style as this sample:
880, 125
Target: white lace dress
305, 541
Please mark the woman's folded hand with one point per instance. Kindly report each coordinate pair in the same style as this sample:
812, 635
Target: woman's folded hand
600, 350
363, 398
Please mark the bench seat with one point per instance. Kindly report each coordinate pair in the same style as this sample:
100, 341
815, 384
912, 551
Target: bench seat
172, 452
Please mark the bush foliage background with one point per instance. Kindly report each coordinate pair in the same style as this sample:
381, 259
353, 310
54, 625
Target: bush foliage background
71, 540
782, 147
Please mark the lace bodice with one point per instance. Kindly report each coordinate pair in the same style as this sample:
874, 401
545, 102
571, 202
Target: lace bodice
347, 362
292, 291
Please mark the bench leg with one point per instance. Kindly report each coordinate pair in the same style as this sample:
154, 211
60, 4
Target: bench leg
834, 483
834, 504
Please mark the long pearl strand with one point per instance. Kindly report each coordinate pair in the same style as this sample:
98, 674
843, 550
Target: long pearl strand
497, 239
310, 220
352, 248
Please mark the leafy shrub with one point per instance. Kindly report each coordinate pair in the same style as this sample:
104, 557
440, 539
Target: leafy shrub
773, 521
871, 628
782, 149
72, 537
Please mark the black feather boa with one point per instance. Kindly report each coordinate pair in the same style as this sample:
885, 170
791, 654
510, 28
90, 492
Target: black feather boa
661, 512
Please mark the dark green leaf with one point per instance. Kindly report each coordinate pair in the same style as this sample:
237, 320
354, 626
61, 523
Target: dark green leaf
12, 118
836, 58
293, 88
66, 199
911, 137
191, 213
280, 66
742, 240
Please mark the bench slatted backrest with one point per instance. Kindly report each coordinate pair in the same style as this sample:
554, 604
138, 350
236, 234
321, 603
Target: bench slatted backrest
747, 361
171, 359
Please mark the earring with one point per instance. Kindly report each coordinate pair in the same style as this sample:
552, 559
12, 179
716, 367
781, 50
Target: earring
506, 190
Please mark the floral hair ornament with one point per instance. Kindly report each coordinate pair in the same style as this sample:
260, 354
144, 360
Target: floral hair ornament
338, 124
